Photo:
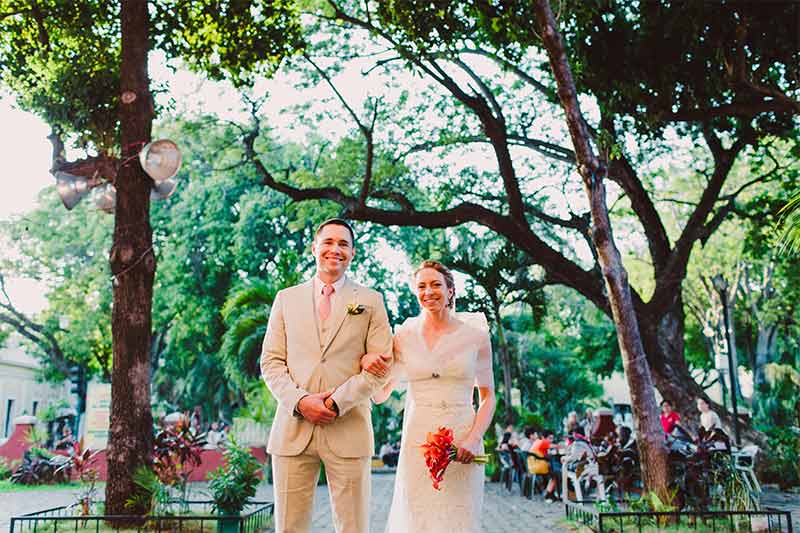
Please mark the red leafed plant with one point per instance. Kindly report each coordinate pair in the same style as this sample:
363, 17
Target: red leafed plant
439, 451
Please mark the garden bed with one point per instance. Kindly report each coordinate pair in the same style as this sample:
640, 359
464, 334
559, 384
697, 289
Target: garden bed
765, 520
190, 517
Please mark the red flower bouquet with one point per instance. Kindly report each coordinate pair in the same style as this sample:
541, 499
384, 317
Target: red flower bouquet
439, 451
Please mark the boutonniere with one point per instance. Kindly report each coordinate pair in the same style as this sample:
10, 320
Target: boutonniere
355, 309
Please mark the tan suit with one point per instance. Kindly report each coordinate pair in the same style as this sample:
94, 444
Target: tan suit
295, 361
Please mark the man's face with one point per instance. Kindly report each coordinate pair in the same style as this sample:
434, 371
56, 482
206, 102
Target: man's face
333, 250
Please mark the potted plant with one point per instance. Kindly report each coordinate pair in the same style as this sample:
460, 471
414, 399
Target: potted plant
233, 484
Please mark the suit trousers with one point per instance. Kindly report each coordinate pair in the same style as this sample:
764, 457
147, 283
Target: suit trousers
295, 479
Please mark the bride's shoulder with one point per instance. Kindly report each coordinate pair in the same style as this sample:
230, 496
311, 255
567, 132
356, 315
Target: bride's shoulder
407, 327
474, 322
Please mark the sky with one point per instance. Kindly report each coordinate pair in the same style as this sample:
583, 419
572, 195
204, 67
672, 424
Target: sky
26, 153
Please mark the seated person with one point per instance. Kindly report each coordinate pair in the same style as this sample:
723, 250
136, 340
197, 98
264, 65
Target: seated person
528, 439
389, 455
669, 418
213, 437
604, 424
67, 441
506, 444
540, 451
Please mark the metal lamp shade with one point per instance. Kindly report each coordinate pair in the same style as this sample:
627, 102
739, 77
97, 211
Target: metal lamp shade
163, 189
105, 198
71, 188
161, 159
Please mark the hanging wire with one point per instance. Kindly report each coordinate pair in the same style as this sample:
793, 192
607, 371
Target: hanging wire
115, 276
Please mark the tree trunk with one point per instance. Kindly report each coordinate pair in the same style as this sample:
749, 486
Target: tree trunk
663, 342
765, 351
133, 266
505, 363
650, 437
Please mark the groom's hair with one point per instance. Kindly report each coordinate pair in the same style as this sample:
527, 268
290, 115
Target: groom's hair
336, 222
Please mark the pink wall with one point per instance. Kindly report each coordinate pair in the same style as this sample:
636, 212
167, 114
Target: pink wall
15, 446
212, 459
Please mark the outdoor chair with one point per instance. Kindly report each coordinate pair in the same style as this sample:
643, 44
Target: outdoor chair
507, 473
518, 459
745, 462
580, 466
529, 478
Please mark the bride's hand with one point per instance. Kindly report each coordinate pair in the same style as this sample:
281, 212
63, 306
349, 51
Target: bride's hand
376, 364
467, 450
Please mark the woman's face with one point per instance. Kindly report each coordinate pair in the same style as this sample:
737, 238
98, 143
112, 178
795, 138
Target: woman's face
432, 292
702, 405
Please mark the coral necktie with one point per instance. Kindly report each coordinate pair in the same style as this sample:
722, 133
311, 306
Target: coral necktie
325, 303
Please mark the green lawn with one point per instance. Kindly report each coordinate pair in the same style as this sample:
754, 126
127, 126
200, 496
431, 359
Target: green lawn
99, 526
7, 486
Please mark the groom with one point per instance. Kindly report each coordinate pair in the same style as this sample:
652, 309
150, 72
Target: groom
310, 360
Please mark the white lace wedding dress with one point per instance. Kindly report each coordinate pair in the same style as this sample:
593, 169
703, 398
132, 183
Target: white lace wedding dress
440, 393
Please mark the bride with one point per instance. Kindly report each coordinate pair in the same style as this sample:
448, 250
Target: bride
443, 357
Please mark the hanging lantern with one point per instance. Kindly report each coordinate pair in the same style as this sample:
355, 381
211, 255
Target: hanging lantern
164, 189
160, 159
71, 188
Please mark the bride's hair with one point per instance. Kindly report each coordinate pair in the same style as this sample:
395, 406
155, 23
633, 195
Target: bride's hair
445, 272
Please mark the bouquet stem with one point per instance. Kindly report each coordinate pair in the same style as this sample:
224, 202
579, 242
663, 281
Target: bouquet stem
481, 459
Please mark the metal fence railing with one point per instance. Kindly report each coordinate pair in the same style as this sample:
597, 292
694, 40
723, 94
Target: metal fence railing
195, 516
765, 520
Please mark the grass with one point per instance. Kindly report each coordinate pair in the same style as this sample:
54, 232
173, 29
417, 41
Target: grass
98, 526
7, 486
685, 526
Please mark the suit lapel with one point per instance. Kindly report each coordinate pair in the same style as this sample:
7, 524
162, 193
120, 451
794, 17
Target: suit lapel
346, 297
309, 300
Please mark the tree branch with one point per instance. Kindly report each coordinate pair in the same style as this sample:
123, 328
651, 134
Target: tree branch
549, 93
668, 283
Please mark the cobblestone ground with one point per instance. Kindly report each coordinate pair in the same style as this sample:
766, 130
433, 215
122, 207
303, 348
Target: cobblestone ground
502, 512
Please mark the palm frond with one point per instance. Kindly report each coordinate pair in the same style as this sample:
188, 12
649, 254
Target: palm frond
789, 236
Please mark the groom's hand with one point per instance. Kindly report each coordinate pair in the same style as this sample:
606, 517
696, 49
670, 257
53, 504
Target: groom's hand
313, 408
376, 364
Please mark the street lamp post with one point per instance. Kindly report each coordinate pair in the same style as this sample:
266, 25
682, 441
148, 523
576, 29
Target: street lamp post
722, 288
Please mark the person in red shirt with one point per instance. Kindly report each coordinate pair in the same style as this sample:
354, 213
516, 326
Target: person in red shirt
669, 418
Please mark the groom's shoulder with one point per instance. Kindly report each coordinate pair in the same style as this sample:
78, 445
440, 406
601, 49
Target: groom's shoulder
292, 289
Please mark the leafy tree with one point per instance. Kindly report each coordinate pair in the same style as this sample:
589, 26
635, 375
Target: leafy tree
554, 382
742, 108
83, 67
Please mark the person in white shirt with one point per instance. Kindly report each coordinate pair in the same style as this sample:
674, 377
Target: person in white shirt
708, 418
526, 442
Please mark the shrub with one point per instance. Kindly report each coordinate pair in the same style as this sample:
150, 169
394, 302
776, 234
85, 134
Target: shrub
234, 483
782, 457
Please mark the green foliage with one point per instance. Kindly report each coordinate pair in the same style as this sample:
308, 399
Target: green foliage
670, 63
152, 497
236, 40
49, 413
790, 221
7, 467
259, 404
36, 436
245, 313
233, 484
61, 59
553, 382
782, 457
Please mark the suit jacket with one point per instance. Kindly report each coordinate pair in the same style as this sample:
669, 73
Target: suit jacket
294, 363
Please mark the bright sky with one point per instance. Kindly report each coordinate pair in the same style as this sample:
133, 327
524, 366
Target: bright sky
25, 152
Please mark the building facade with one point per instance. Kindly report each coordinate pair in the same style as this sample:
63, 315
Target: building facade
20, 391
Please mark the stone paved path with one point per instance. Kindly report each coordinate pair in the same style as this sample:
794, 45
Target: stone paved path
502, 512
